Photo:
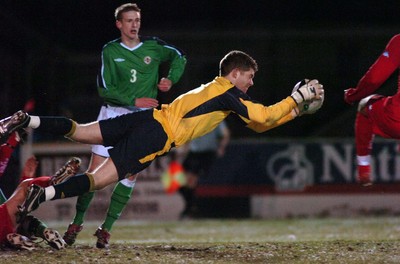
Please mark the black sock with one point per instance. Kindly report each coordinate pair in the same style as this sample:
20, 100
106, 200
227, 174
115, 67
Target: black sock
31, 226
74, 186
55, 125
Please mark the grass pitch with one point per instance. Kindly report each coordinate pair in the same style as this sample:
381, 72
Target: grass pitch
355, 240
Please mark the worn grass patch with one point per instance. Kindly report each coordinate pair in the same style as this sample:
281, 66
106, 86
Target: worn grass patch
358, 240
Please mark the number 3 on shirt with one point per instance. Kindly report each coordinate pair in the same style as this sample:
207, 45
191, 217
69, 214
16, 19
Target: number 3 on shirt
133, 76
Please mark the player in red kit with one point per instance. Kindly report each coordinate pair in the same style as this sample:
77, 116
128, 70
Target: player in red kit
15, 232
377, 114
6, 150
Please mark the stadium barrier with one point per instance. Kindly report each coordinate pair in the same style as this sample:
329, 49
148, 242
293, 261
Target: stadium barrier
256, 178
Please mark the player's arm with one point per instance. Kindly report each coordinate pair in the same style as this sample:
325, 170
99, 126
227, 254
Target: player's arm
177, 67
224, 138
7, 149
176, 58
378, 73
106, 81
261, 118
29, 169
262, 127
269, 116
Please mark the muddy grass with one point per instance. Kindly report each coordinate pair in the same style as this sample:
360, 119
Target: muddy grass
362, 240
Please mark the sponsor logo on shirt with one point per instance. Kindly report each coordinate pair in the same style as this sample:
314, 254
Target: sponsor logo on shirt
147, 59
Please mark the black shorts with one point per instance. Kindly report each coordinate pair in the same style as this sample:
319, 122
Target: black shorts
133, 136
199, 163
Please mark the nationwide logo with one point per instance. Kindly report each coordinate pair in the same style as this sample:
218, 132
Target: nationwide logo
147, 59
119, 59
290, 169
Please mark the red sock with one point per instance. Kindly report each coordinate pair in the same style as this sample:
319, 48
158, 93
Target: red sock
363, 135
364, 174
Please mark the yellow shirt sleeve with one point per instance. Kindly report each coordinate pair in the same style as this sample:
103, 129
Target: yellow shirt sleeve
263, 118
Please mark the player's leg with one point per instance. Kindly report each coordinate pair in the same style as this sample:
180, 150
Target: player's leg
28, 172
191, 166
196, 165
74, 186
149, 140
364, 135
364, 138
29, 169
32, 226
17, 198
85, 133
82, 204
122, 190
187, 194
99, 155
377, 115
143, 142
119, 198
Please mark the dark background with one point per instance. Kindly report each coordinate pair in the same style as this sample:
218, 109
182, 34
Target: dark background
50, 51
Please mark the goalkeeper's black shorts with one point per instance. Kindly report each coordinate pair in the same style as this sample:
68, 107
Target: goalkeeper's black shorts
137, 139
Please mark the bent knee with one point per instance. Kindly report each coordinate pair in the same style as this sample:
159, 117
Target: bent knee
132, 177
366, 101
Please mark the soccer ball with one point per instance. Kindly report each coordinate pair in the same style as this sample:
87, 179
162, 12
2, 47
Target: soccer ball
309, 106
20, 242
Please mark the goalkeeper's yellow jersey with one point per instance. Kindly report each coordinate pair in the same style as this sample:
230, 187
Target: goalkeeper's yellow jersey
199, 111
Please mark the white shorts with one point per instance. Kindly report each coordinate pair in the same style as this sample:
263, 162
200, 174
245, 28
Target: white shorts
107, 111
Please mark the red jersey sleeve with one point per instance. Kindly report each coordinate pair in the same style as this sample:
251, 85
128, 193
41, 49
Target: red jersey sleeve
378, 73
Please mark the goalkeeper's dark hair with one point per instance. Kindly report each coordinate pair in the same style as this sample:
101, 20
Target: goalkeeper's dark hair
236, 59
125, 8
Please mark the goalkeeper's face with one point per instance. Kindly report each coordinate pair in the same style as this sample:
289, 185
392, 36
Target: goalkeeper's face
243, 79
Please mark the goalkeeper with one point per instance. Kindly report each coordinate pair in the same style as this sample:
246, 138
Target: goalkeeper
138, 138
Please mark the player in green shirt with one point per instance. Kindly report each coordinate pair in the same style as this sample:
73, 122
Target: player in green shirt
129, 76
128, 82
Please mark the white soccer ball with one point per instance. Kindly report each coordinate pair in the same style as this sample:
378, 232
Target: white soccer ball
310, 107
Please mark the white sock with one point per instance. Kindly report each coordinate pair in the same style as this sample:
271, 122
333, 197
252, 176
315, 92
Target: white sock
49, 192
128, 183
34, 122
364, 160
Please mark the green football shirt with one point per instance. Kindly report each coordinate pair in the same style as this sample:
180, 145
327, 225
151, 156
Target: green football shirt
127, 74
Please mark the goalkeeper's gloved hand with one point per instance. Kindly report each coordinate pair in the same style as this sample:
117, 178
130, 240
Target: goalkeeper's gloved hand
307, 90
